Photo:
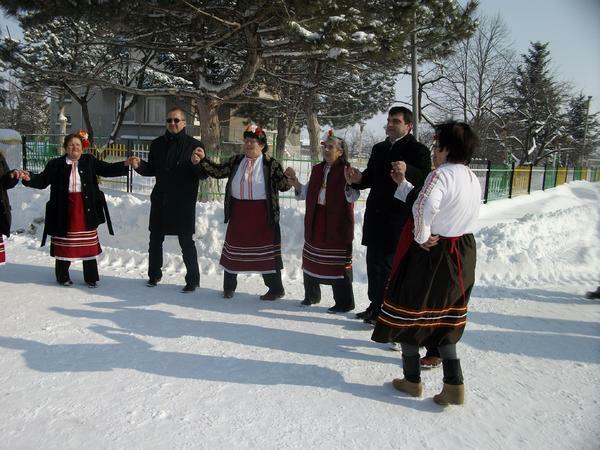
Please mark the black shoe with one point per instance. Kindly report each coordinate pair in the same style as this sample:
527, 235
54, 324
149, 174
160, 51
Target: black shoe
308, 302
272, 295
363, 315
66, 283
339, 309
189, 288
92, 285
228, 294
593, 294
372, 318
152, 282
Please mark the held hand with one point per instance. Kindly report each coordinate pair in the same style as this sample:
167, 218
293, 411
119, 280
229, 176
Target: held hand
398, 172
198, 155
352, 175
133, 161
291, 176
20, 175
431, 242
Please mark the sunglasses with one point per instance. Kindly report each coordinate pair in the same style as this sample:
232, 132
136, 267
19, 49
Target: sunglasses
174, 120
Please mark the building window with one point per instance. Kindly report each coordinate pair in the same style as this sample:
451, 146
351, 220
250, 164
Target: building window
155, 110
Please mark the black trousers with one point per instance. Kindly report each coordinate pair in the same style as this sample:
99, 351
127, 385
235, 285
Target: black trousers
343, 294
379, 266
272, 281
90, 270
188, 251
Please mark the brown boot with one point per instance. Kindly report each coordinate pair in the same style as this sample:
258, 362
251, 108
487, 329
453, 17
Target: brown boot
412, 389
452, 394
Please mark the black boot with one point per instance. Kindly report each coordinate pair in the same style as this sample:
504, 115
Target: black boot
452, 371
411, 383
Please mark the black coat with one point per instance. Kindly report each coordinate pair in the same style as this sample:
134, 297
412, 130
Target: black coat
56, 174
174, 196
384, 214
6, 182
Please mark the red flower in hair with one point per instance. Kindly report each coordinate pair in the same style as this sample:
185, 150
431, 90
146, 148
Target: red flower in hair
258, 131
85, 142
330, 132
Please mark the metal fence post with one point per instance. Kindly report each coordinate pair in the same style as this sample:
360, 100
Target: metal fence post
130, 169
487, 181
512, 177
544, 177
530, 176
24, 151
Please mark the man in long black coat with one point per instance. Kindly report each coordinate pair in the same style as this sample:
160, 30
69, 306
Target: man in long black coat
173, 198
384, 214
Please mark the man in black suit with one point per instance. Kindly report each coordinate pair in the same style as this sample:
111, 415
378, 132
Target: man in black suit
173, 198
384, 214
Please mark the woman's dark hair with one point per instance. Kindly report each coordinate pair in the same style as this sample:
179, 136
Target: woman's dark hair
459, 139
68, 138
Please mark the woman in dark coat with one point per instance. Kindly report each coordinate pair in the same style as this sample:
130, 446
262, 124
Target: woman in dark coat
253, 239
328, 226
8, 180
434, 270
76, 207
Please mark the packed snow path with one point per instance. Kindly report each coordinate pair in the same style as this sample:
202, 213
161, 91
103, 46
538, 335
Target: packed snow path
126, 366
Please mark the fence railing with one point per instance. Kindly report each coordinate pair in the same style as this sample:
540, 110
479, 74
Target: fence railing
498, 181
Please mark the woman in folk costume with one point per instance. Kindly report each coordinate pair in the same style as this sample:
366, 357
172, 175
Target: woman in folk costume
253, 239
76, 207
8, 180
434, 269
328, 226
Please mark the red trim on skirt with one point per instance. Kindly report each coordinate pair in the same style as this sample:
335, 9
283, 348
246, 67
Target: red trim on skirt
323, 259
2, 251
251, 243
79, 243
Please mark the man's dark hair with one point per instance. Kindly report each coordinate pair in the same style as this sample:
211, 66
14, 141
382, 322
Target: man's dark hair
177, 108
406, 113
459, 139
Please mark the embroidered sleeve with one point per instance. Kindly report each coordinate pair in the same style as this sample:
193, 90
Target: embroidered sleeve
216, 170
281, 181
301, 194
352, 194
427, 205
403, 190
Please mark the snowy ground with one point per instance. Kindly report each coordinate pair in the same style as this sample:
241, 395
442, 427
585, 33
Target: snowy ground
126, 366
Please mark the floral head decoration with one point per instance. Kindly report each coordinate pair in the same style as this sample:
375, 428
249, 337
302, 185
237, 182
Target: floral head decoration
85, 141
330, 136
256, 132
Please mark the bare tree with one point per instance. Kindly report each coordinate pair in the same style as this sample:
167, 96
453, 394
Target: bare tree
471, 84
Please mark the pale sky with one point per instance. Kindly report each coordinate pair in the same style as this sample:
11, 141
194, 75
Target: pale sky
572, 28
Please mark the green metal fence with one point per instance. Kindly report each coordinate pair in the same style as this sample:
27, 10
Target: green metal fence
498, 181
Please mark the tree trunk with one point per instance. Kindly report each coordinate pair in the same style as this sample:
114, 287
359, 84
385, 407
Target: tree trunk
123, 108
85, 112
281, 137
314, 129
208, 109
62, 118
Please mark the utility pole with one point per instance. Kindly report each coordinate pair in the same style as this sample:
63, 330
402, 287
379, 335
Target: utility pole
415, 78
585, 128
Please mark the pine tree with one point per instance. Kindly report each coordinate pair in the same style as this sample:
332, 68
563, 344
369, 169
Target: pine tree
32, 113
582, 129
534, 123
